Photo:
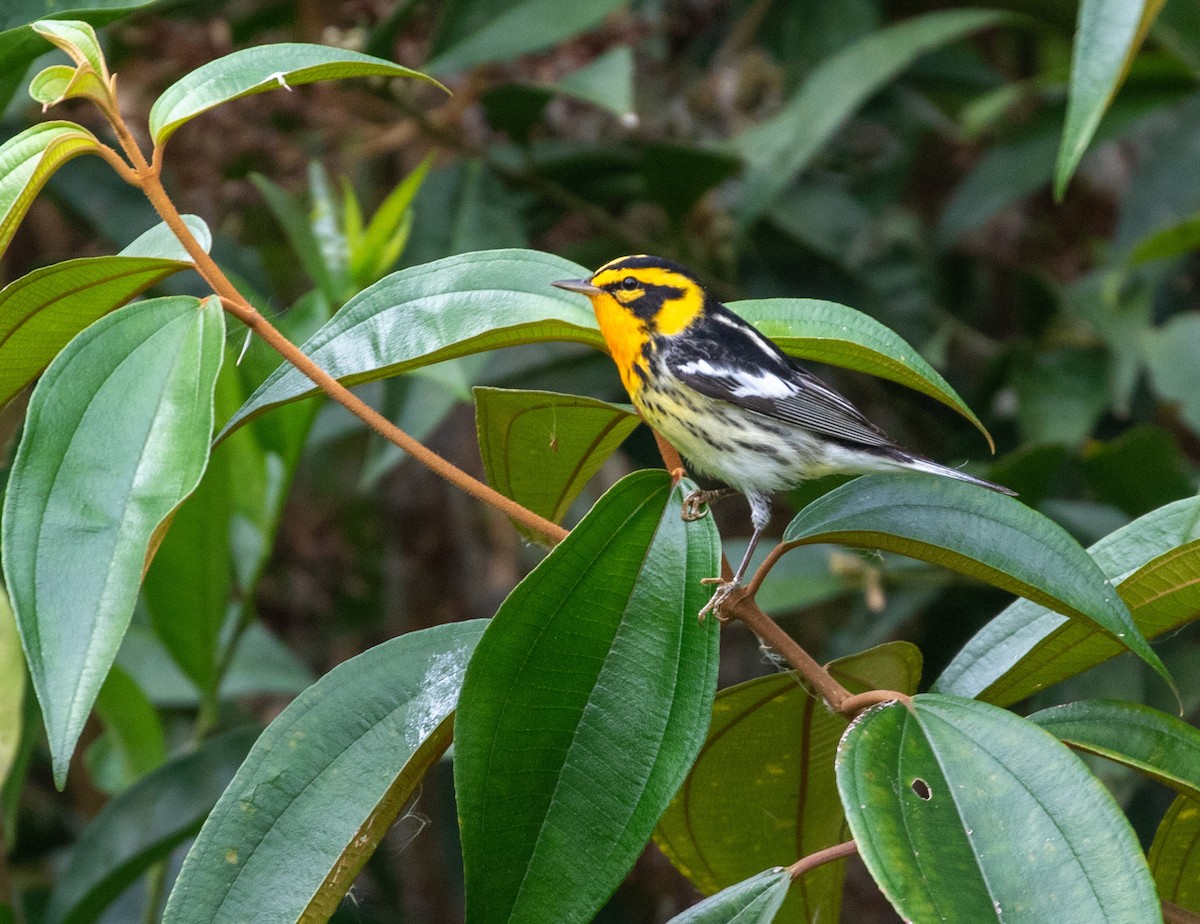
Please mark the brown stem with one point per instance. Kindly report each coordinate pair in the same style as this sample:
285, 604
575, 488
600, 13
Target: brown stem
150, 183
821, 857
1175, 914
765, 568
853, 705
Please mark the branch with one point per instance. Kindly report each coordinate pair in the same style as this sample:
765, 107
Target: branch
821, 857
148, 180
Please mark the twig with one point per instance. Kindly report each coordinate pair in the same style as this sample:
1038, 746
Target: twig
149, 181
821, 857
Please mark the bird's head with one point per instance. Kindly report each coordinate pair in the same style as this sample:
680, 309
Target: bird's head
661, 296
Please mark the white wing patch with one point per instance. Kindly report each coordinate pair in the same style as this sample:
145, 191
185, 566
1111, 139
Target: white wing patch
741, 383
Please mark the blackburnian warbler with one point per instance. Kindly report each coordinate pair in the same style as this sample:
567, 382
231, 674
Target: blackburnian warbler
733, 403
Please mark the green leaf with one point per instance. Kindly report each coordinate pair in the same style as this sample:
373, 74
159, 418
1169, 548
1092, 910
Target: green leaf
1153, 561
831, 333
606, 81
425, 314
964, 812
474, 31
20, 46
1172, 241
78, 40
1170, 353
1175, 854
29, 159
132, 726
161, 242
12, 692
116, 436
1107, 39
256, 70
752, 901
324, 783
584, 706
773, 732
142, 826
385, 234
61, 82
976, 532
1157, 744
777, 150
42, 311
542, 448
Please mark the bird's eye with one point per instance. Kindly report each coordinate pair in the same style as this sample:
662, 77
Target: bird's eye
629, 283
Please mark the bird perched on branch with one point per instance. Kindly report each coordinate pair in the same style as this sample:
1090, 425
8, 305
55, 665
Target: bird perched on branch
733, 403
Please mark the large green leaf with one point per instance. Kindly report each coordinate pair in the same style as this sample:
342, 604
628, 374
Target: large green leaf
1153, 561
979, 533
964, 812
1175, 854
831, 333
474, 31
1170, 353
773, 732
541, 448
1153, 742
425, 314
584, 706
752, 901
29, 159
117, 434
324, 783
256, 70
777, 150
42, 311
133, 743
1107, 38
142, 826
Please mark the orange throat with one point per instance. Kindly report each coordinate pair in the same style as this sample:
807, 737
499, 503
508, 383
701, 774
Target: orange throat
624, 334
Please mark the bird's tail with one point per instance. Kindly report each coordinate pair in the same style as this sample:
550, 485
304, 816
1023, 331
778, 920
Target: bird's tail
921, 464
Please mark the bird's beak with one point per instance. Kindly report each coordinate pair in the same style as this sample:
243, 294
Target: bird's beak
582, 286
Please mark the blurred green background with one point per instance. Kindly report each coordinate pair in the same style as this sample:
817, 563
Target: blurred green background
892, 156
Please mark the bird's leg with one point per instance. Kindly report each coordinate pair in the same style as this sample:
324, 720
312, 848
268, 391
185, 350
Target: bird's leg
760, 513
695, 505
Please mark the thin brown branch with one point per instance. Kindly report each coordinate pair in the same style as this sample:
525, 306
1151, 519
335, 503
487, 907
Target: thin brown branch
853, 705
150, 183
821, 857
1175, 914
765, 568
114, 160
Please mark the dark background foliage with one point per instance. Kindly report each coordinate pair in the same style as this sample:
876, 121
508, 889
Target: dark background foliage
930, 209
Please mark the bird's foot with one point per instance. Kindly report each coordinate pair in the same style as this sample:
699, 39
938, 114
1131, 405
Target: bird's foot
695, 505
725, 590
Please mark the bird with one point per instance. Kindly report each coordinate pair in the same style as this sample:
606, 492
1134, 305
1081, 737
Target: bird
736, 407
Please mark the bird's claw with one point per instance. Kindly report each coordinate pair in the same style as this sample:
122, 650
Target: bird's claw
695, 506
725, 590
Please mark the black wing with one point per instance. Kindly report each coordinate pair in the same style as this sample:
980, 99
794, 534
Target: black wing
726, 359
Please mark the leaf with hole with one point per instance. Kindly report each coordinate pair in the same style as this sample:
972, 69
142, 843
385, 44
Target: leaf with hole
1153, 561
324, 783
540, 448
584, 706
256, 70
116, 436
774, 734
964, 812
